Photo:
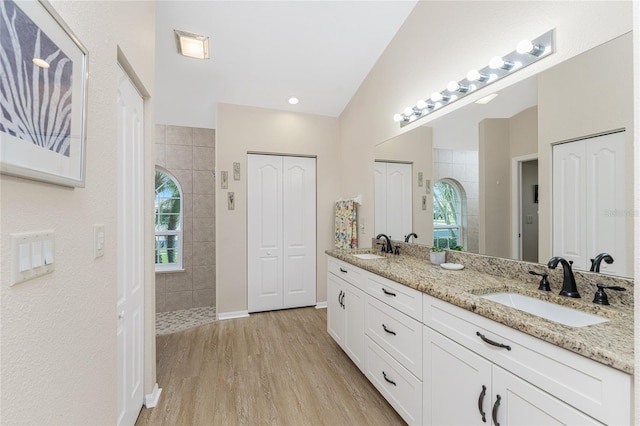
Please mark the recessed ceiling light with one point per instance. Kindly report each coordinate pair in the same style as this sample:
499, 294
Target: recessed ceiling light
293, 100
487, 99
192, 45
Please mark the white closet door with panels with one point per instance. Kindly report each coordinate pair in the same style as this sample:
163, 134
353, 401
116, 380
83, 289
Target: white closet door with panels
281, 216
393, 207
589, 203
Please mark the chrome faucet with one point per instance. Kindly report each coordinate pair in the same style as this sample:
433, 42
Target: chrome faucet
387, 248
595, 263
406, 237
569, 287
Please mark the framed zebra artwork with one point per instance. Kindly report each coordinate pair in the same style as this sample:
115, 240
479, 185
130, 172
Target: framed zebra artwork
43, 95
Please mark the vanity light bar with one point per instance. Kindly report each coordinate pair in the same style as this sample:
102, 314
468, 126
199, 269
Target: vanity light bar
527, 52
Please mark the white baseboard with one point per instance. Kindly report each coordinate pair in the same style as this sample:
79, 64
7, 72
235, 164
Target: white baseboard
321, 305
231, 315
151, 399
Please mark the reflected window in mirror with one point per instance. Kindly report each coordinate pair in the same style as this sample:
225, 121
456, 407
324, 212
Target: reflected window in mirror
448, 214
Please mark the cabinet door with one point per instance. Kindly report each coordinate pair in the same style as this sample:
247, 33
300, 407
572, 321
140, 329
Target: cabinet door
456, 383
521, 403
335, 311
354, 303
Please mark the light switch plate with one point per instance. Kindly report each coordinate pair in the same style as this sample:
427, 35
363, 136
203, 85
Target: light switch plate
32, 255
98, 240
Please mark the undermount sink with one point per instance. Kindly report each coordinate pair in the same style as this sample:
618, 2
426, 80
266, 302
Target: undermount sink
548, 310
368, 256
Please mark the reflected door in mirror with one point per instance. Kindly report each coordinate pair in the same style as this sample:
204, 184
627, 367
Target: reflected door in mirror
589, 201
393, 215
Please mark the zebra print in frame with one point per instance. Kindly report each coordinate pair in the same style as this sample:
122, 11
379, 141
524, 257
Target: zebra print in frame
42, 94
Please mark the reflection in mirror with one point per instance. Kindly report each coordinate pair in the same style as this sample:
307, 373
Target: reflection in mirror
502, 157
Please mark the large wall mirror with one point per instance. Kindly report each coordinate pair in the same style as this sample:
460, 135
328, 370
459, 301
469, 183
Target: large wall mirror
543, 169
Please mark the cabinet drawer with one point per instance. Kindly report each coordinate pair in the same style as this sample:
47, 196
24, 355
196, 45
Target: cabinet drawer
399, 387
596, 389
396, 333
403, 298
351, 274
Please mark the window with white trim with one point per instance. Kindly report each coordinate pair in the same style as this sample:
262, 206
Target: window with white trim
168, 222
447, 215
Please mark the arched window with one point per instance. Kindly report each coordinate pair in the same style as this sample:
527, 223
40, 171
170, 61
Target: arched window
447, 215
168, 220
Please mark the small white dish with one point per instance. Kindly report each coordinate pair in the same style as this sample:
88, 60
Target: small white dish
452, 266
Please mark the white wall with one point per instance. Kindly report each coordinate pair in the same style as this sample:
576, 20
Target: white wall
243, 129
58, 332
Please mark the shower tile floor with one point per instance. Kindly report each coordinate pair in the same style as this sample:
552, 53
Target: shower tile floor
170, 322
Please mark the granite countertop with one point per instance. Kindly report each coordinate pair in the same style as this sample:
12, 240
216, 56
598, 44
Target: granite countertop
610, 343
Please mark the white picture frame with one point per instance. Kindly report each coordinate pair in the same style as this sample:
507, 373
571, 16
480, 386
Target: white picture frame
45, 143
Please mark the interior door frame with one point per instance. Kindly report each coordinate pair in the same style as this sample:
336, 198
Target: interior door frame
516, 203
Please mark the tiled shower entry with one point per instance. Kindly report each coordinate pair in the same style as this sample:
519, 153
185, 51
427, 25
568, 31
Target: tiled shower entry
173, 321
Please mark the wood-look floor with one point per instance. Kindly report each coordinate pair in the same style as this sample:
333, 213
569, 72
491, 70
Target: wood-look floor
277, 368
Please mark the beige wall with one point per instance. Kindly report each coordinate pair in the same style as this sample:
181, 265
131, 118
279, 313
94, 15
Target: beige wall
597, 102
188, 153
58, 331
243, 129
636, 180
523, 133
414, 147
495, 177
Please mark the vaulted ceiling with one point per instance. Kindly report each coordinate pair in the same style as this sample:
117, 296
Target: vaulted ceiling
263, 52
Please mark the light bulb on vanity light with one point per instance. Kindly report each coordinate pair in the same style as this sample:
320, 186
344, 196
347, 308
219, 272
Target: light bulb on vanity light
475, 75
454, 86
438, 97
525, 46
422, 104
497, 63
408, 111
398, 118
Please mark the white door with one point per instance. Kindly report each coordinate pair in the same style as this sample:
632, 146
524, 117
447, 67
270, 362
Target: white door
569, 204
456, 385
264, 232
335, 308
299, 226
281, 240
589, 201
130, 236
606, 201
521, 403
353, 303
393, 199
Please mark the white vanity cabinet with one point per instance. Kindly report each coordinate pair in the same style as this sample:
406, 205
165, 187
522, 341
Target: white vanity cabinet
439, 364
345, 309
463, 388
537, 382
365, 316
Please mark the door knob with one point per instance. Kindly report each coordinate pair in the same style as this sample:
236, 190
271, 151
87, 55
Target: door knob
268, 253
121, 315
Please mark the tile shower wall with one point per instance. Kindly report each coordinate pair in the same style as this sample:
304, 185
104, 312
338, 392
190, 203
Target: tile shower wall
462, 166
189, 154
